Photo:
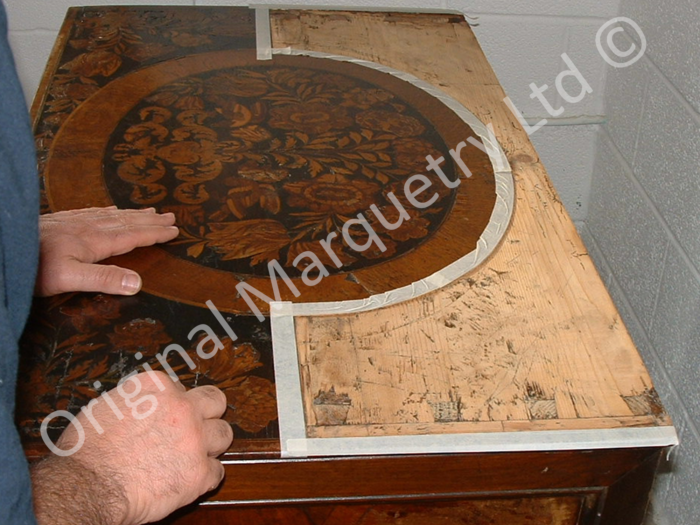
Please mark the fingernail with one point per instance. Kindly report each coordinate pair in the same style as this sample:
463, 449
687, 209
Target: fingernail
131, 283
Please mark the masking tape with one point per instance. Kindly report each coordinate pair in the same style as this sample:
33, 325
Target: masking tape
290, 406
517, 441
263, 35
288, 378
498, 222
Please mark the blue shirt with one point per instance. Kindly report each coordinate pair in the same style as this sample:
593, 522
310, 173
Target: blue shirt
19, 253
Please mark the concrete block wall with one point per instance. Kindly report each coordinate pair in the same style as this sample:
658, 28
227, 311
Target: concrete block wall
523, 40
643, 226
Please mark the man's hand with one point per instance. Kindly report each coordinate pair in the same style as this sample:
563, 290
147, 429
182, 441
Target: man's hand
159, 457
73, 241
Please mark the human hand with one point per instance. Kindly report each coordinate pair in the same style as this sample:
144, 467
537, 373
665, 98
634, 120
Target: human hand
71, 242
158, 458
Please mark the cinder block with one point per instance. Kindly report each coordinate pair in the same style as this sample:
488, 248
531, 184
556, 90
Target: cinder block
585, 8
656, 513
568, 154
582, 50
624, 99
627, 232
523, 53
666, 163
672, 31
681, 501
675, 331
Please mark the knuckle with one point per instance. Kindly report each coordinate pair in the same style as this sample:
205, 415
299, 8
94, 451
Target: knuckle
212, 393
224, 430
101, 274
217, 472
155, 379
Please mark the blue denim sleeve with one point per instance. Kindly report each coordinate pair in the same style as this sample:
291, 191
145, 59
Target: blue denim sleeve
19, 209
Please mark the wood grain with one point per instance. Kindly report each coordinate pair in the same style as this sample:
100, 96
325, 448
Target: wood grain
529, 341
543, 511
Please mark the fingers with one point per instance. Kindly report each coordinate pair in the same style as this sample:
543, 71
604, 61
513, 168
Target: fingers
107, 242
108, 218
125, 218
81, 277
208, 400
70, 238
218, 436
215, 475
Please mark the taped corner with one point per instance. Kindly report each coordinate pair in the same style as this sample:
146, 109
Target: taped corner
295, 448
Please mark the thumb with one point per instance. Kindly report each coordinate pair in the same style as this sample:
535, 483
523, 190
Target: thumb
102, 278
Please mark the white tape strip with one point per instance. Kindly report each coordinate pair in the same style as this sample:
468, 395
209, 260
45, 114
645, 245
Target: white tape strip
263, 34
525, 441
290, 406
499, 220
296, 448
290, 403
437, 280
336, 7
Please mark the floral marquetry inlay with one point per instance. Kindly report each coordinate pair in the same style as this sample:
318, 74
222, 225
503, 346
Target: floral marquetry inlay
262, 160
261, 163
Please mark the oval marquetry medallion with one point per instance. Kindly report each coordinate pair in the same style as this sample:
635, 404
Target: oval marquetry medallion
261, 161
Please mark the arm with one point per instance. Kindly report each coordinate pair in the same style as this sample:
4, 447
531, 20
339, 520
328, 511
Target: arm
66, 491
139, 469
71, 242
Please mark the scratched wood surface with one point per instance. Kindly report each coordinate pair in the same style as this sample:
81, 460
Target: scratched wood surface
529, 341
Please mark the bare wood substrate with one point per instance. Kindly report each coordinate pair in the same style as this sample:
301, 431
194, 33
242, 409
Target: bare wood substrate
529, 341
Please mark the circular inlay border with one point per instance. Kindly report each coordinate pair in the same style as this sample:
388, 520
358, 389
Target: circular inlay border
80, 144
486, 245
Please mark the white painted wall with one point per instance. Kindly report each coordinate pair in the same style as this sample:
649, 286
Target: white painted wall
643, 228
523, 40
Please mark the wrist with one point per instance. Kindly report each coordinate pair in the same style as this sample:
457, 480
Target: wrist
67, 492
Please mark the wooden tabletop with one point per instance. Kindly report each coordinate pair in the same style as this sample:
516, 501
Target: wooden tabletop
260, 159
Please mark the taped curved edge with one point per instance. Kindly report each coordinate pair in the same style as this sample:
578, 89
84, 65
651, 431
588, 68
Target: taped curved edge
292, 423
498, 222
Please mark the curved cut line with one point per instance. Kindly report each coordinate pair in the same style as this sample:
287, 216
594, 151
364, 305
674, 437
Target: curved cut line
487, 243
